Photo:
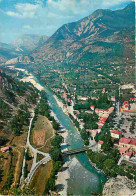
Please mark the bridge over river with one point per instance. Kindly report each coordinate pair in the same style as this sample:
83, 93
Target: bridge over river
77, 150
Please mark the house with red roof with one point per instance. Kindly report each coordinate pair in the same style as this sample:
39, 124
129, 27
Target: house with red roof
116, 134
124, 142
128, 155
5, 149
92, 107
100, 143
132, 99
123, 150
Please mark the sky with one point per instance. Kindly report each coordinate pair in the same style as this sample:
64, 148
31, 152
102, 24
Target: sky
44, 17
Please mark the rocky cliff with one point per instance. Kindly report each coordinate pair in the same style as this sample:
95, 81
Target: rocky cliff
119, 186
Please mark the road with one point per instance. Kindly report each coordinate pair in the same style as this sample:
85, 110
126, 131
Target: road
35, 164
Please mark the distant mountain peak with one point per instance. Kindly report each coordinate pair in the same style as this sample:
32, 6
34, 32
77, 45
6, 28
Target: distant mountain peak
29, 42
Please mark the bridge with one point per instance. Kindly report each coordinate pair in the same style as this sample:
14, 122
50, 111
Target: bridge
77, 150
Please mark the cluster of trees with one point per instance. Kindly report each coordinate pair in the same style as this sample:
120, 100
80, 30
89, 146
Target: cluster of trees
103, 101
25, 170
18, 191
19, 120
106, 162
90, 120
9, 179
44, 110
50, 184
4, 109
55, 153
3, 140
85, 136
82, 106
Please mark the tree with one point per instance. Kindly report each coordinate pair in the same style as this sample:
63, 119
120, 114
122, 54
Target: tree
50, 185
107, 142
84, 134
109, 163
55, 125
3, 140
55, 153
56, 141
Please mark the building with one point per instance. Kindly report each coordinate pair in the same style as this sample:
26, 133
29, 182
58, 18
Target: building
100, 143
113, 99
116, 134
124, 142
132, 99
92, 107
128, 155
123, 150
5, 149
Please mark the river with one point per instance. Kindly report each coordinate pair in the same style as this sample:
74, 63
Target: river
83, 177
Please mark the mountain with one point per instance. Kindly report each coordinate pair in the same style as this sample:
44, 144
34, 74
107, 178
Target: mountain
29, 42
7, 51
104, 33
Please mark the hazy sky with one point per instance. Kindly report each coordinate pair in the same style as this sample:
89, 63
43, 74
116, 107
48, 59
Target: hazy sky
44, 17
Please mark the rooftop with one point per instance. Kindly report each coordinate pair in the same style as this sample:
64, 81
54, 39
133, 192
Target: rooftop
129, 153
133, 142
123, 149
116, 132
124, 140
100, 142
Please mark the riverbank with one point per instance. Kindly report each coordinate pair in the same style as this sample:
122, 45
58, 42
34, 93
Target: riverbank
61, 105
31, 79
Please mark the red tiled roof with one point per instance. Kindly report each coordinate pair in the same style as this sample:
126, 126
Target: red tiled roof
115, 143
103, 119
133, 142
100, 126
100, 142
126, 106
129, 153
124, 140
5, 148
133, 99
111, 108
123, 149
125, 102
116, 132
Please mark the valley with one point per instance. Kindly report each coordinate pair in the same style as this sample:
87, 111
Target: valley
73, 90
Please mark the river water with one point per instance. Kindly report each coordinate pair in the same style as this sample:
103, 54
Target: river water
83, 177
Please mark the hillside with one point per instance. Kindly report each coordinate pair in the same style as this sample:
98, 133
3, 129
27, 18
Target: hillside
17, 101
103, 33
13, 95
7, 51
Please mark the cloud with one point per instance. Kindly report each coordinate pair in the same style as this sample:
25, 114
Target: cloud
27, 27
24, 10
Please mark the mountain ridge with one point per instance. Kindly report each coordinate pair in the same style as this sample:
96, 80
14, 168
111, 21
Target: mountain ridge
104, 32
